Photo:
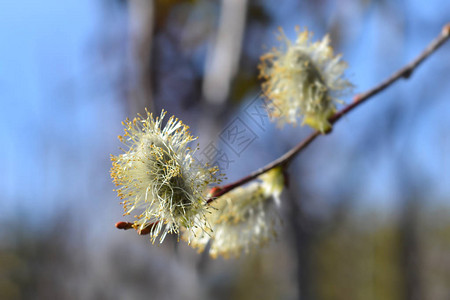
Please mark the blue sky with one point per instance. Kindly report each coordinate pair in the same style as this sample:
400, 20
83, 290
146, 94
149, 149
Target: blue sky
50, 121
58, 127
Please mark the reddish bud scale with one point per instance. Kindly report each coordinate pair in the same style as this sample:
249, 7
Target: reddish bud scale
147, 229
214, 192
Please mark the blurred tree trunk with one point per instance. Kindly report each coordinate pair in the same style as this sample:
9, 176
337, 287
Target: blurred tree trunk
141, 23
409, 233
299, 221
410, 251
223, 59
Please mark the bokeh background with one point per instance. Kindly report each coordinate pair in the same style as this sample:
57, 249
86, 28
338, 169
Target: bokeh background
367, 212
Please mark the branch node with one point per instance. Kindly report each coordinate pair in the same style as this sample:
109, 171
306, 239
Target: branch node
446, 30
407, 73
357, 98
328, 131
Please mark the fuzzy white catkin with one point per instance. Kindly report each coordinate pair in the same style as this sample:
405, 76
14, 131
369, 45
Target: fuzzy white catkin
244, 219
303, 80
158, 177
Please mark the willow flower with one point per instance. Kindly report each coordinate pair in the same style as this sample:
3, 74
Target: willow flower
158, 178
274, 182
303, 80
243, 219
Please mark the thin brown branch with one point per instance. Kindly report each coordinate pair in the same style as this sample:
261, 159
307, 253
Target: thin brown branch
285, 159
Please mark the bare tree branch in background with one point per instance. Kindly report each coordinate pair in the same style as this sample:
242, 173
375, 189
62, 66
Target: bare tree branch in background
222, 61
141, 21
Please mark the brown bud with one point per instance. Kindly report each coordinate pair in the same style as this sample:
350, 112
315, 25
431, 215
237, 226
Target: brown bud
124, 225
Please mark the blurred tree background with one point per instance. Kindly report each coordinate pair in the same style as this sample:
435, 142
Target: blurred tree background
367, 212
